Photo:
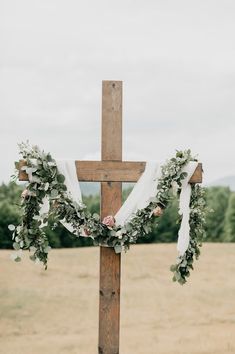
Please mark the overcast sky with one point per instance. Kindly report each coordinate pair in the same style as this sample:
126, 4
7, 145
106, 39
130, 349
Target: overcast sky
176, 60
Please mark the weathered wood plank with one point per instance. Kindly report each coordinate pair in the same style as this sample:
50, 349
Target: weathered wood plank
112, 171
106, 171
197, 176
111, 143
111, 200
110, 277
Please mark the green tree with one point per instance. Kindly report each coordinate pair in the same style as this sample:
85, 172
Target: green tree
229, 227
167, 228
9, 211
217, 200
220, 223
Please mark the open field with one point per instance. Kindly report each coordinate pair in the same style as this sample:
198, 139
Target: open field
57, 311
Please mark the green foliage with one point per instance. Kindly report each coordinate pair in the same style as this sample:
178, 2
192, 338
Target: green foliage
92, 203
9, 212
167, 228
218, 228
229, 225
10, 193
220, 224
217, 200
46, 181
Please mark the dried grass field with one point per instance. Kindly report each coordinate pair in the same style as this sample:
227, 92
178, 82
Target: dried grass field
56, 311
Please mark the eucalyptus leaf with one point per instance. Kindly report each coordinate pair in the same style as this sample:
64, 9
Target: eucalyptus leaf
16, 246
60, 178
96, 217
11, 227
54, 193
118, 248
173, 268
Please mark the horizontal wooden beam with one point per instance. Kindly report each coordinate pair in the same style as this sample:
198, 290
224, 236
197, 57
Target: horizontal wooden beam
109, 171
112, 171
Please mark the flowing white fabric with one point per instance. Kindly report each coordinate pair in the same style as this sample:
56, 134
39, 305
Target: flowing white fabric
184, 209
140, 196
68, 169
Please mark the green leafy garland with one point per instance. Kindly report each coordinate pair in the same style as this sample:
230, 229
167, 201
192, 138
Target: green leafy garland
46, 181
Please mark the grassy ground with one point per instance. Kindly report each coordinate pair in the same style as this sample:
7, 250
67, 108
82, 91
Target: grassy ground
56, 311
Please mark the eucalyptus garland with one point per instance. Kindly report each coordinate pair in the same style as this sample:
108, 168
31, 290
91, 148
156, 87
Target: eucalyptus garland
45, 181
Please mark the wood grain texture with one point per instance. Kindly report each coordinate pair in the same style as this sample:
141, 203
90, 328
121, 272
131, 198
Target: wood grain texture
110, 277
109, 171
111, 145
111, 200
112, 171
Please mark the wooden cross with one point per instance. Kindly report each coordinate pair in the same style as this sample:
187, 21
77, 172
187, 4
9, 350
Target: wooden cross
111, 172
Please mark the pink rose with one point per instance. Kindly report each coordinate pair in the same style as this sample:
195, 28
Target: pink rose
109, 221
25, 194
158, 211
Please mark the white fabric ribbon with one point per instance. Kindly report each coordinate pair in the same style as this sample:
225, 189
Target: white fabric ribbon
184, 209
68, 169
141, 194
139, 198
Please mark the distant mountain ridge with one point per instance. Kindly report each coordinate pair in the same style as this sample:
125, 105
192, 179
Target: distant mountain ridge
89, 188
228, 181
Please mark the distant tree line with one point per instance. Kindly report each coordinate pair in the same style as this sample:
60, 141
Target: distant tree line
220, 225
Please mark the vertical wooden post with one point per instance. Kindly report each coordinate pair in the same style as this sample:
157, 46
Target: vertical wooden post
111, 200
